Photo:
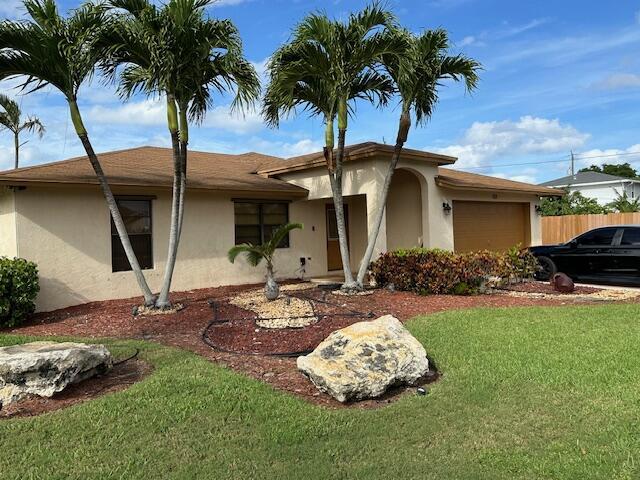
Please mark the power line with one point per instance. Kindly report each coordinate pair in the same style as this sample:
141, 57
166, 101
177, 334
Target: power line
609, 155
543, 162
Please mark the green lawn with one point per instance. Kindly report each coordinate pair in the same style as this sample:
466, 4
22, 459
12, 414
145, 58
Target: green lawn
526, 393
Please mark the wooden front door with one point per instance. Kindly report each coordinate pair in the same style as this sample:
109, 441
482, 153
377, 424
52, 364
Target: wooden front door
334, 259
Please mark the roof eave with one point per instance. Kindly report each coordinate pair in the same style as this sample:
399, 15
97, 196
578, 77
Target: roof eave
297, 192
547, 192
361, 155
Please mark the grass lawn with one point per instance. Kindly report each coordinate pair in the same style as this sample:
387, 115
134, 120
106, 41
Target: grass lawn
536, 393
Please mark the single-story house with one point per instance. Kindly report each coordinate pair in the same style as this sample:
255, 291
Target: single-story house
600, 186
55, 215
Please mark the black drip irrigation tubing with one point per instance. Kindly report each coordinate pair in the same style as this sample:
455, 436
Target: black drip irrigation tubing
216, 321
135, 355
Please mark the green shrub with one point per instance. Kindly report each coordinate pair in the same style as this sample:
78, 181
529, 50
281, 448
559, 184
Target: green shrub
435, 271
18, 290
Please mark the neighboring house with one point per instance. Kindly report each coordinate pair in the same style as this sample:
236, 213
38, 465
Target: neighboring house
56, 216
602, 187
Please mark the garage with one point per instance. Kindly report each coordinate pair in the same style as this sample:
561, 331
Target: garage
490, 225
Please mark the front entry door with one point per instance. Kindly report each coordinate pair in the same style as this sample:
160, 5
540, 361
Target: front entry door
334, 259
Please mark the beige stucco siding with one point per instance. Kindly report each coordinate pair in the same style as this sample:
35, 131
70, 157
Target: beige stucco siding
8, 241
66, 231
404, 211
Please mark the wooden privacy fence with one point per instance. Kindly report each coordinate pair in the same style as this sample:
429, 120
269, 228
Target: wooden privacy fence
564, 228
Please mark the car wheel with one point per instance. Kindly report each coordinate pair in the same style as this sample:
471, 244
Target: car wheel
546, 268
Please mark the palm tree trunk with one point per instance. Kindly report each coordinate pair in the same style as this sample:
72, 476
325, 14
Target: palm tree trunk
163, 298
183, 187
16, 142
403, 132
338, 202
172, 249
111, 202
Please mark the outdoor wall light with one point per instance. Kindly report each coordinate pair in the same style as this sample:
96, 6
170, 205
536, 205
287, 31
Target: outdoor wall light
446, 208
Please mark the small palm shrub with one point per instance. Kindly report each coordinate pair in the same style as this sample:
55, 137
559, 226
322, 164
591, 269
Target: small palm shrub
256, 253
435, 271
18, 290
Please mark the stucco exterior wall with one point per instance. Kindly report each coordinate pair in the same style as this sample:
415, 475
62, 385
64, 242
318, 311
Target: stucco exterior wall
66, 231
404, 211
8, 241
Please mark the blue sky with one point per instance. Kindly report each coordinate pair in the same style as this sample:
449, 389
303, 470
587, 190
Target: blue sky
558, 76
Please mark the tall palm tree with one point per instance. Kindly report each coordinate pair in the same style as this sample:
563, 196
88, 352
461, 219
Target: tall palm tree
323, 70
417, 74
11, 119
62, 52
176, 51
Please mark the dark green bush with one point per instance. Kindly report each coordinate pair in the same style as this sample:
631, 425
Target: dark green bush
435, 271
18, 290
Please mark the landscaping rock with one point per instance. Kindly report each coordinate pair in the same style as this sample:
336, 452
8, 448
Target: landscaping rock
562, 283
45, 368
365, 359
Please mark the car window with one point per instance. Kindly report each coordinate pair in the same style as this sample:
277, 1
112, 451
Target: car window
602, 236
631, 236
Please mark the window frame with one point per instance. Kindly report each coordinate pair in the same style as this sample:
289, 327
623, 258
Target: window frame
614, 238
116, 237
261, 224
630, 229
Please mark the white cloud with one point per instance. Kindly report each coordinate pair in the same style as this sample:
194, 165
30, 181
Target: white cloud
225, 3
518, 29
529, 135
617, 81
598, 156
285, 149
152, 112
470, 40
529, 176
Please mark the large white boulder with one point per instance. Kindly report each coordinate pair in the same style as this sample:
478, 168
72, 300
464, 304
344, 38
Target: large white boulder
365, 359
45, 368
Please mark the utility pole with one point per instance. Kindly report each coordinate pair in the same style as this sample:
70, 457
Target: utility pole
573, 162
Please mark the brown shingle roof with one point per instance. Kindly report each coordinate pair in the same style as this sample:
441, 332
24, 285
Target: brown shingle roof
472, 181
353, 152
249, 173
153, 167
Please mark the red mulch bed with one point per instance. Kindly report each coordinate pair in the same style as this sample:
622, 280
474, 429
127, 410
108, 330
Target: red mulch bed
117, 379
183, 329
544, 287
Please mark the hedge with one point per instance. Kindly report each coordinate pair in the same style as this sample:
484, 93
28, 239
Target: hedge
435, 271
18, 290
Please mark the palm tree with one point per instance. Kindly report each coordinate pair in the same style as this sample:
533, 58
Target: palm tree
11, 119
62, 52
417, 75
623, 204
256, 253
323, 70
177, 52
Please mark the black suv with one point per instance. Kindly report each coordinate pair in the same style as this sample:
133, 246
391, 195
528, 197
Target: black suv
603, 255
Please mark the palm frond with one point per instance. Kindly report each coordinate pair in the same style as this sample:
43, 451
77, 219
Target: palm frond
279, 235
51, 49
254, 254
33, 125
10, 114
